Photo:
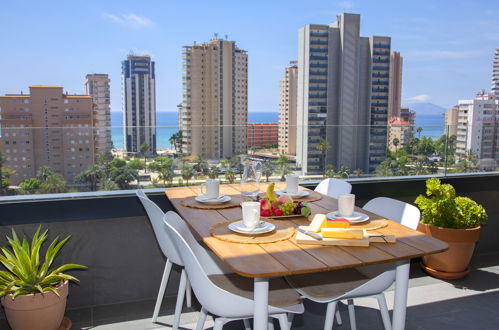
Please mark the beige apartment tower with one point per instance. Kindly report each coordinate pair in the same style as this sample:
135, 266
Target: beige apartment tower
451, 117
97, 86
46, 127
287, 110
214, 112
395, 91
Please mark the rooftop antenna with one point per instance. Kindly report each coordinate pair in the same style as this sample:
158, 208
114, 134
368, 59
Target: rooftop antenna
216, 35
226, 37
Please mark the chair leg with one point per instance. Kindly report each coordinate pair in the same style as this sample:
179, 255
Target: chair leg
202, 319
383, 308
219, 323
351, 313
247, 325
270, 324
290, 319
162, 288
283, 322
188, 294
331, 309
338, 317
180, 300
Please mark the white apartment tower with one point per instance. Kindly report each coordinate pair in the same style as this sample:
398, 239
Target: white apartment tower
495, 74
478, 126
343, 87
139, 103
97, 86
287, 110
213, 115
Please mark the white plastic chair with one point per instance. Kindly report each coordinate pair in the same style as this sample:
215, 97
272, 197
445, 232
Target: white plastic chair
361, 282
333, 187
227, 296
156, 215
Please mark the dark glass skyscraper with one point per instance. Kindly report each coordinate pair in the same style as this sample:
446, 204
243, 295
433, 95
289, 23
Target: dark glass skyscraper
139, 103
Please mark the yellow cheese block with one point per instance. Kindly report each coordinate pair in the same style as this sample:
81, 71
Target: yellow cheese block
342, 233
337, 224
318, 222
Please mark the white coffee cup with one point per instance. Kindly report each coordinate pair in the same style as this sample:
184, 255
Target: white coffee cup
292, 184
212, 188
251, 214
346, 204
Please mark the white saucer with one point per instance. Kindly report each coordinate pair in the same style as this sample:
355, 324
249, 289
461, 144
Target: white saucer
221, 199
298, 194
357, 217
262, 228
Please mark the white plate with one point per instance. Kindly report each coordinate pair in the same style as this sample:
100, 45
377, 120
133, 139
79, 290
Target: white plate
357, 217
262, 228
221, 199
299, 193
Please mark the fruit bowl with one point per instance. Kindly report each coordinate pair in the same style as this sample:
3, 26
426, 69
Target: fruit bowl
282, 207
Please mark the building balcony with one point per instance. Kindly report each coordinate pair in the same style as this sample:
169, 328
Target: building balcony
318, 57
315, 80
318, 50
318, 42
319, 73
318, 65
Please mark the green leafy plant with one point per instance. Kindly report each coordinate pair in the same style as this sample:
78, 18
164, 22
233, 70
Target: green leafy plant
25, 273
441, 208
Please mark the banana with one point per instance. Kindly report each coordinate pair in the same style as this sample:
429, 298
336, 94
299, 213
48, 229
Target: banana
270, 193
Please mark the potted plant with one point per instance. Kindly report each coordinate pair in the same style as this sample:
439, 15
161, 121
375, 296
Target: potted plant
32, 292
454, 220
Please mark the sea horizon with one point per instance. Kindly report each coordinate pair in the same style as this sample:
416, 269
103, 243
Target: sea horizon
167, 125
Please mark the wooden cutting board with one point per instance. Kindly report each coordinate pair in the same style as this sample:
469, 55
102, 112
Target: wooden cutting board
368, 238
305, 239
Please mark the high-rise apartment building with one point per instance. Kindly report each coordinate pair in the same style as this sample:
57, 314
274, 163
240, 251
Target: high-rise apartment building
287, 109
138, 83
451, 116
97, 86
46, 128
214, 111
343, 87
495, 73
478, 126
395, 89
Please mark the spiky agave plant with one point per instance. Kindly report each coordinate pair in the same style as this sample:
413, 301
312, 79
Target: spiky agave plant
25, 273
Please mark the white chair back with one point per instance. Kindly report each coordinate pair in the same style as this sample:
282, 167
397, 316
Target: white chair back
155, 215
395, 210
333, 187
214, 299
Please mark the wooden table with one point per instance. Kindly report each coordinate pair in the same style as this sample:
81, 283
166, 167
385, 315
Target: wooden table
262, 261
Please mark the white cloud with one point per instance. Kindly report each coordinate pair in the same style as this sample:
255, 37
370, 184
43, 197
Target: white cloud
131, 19
440, 54
422, 98
345, 5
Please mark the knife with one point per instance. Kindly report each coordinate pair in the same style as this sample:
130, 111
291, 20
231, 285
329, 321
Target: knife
314, 235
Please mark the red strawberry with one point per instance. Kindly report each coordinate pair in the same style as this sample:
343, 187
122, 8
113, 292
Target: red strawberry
265, 213
278, 212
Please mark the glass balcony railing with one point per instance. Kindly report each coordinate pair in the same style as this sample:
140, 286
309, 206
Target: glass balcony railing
75, 157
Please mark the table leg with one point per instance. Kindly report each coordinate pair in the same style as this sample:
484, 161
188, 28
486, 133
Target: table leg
261, 310
400, 300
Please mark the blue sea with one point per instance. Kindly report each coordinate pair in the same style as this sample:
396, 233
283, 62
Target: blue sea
167, 122
167, 125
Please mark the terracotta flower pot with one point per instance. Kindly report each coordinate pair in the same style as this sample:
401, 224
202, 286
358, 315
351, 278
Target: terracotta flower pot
40, 311
453, 263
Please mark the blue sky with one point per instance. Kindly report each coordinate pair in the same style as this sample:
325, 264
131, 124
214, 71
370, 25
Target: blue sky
447, 45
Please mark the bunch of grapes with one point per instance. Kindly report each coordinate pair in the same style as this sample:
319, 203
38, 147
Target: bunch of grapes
297, 208
287, 208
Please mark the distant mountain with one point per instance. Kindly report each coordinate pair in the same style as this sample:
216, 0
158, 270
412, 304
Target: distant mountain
426, 108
